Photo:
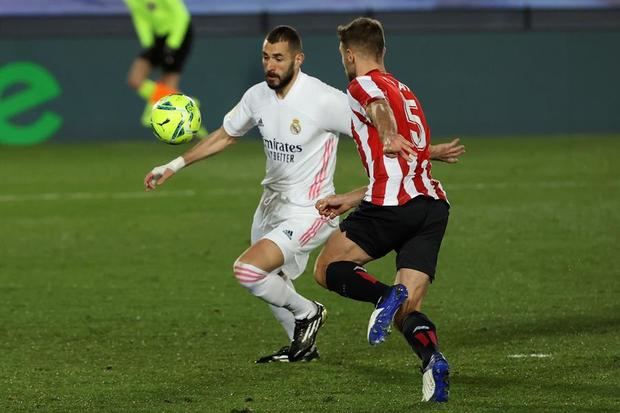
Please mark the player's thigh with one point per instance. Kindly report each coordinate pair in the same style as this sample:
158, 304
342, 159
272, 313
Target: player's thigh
298, 232
417, 284
138, 71
295, 230
338, 248
264, 254
367, 233
421, 251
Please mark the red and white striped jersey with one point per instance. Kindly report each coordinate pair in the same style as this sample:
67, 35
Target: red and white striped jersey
393, 181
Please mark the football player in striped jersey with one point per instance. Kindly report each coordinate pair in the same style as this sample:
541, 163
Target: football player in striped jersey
402, 209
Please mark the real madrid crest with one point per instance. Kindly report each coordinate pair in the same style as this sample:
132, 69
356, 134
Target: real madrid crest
295, 127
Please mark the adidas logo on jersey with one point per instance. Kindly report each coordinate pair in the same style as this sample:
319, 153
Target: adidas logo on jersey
260, 122
288, 233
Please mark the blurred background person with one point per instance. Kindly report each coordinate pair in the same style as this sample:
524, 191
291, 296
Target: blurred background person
165, 33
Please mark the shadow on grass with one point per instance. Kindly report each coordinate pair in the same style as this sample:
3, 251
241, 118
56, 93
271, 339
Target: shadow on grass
491, 385
529, 407
501, 331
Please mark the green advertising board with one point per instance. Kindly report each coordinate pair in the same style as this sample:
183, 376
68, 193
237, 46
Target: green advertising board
491, 83
35, 86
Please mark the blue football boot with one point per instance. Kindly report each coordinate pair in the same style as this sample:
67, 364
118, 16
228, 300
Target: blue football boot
381, 319
436, 379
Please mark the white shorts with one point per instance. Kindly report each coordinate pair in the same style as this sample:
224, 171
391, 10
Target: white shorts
296, 230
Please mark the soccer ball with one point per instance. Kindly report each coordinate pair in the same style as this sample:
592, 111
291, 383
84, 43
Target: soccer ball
175, 119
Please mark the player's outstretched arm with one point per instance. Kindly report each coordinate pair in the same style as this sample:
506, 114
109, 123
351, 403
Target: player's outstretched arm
394, 144
214, 143
447, 152
335, 205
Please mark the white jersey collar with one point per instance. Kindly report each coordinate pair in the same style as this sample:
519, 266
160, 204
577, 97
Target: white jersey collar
301, 77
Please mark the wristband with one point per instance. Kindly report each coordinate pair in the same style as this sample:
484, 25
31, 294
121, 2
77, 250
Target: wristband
176, 164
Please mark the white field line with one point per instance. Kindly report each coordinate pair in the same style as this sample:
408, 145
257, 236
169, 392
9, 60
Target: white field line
480, 186
533, 355
78, 196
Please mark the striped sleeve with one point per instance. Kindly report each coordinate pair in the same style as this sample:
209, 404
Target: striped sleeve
365, 90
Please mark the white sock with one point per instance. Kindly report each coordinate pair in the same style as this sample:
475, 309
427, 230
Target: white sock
283, 315
286, 319
271, 288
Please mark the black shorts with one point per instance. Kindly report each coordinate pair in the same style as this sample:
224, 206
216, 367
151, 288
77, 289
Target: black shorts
156, 54
414, 230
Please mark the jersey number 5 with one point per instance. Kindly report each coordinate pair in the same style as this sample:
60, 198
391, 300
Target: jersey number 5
418, 138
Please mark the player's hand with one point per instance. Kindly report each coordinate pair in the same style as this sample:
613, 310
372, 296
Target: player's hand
334, 205
448, 152
156, 177
395, 145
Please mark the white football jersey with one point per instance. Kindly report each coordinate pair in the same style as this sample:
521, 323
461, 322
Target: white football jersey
300, 135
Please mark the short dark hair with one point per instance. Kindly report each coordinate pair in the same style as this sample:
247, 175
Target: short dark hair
285, 34
364, 33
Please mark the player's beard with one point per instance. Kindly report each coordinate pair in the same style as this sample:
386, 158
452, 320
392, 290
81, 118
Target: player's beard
284, 80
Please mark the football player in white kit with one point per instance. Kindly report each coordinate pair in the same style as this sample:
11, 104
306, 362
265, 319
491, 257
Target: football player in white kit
299, 118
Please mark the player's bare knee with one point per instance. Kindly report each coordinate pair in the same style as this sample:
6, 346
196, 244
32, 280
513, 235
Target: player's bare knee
247, 274
417, 284
320, 270
413, 303
244, 259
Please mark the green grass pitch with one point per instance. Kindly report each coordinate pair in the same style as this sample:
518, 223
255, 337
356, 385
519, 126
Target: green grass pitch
116, 300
